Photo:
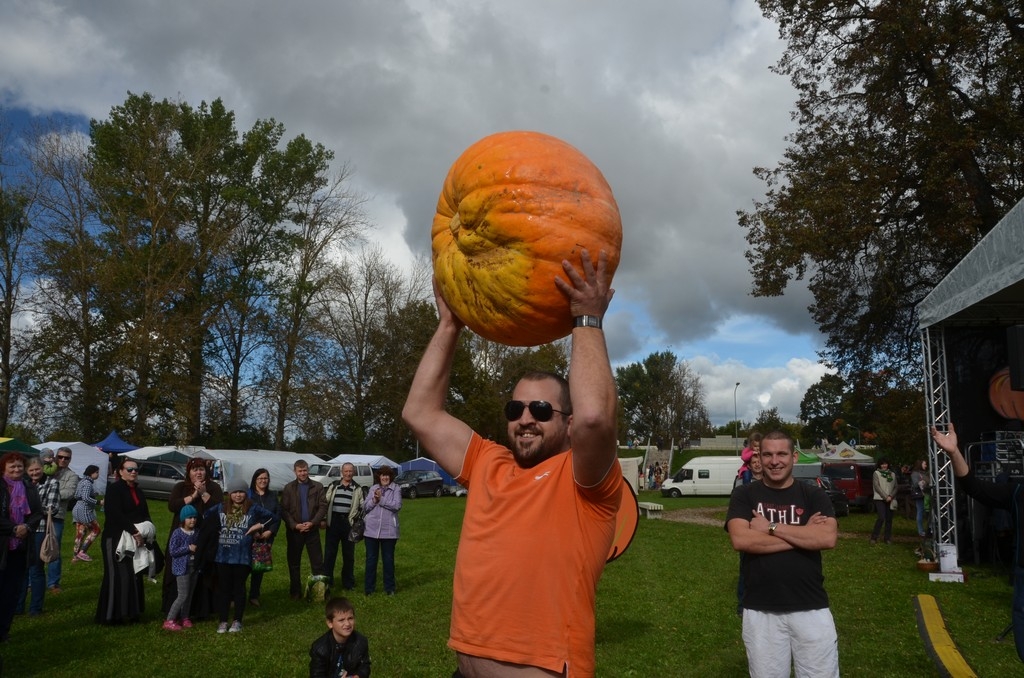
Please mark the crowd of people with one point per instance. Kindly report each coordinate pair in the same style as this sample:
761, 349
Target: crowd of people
207, 558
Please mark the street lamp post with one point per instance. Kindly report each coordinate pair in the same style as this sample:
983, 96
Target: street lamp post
736, 421
858, 432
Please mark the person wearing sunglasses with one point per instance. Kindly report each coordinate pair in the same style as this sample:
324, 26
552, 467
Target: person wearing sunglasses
66, 482
541, 512
122, 596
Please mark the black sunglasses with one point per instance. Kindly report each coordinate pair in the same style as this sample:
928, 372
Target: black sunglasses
131, 469
63, 456
541, 410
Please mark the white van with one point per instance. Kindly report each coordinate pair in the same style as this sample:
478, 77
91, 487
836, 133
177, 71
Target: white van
329, 474
703, 475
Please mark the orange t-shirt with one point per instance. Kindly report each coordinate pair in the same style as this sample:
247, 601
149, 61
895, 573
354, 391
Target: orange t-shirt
532, 549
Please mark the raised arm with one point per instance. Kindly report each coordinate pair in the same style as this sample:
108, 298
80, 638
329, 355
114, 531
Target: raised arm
949, 444
591, 383
444, 437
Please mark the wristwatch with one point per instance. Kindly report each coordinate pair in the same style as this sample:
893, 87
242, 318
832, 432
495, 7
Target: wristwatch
587, 321
771, 528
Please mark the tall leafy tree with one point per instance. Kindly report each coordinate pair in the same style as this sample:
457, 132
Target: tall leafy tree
908, 150
76, 383
14, 226
325, 217
821, 405
661, 399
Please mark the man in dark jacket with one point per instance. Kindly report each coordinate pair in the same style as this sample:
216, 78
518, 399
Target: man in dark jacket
304, 507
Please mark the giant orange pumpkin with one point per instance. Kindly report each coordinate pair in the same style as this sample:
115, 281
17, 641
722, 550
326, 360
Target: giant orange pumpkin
1007, 402
513, 206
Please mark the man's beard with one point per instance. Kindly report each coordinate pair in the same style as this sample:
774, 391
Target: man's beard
533, 451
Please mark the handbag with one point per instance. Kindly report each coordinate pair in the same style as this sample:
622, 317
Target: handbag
355, 533
49, 550
262, 560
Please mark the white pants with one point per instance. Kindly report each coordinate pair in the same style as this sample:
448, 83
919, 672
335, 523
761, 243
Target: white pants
807, 640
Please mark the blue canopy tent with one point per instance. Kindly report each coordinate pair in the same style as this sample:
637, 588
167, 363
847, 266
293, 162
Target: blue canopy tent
114, 443
424, 464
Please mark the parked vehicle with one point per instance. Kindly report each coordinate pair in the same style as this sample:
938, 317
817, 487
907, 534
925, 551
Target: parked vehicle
158, 478
419, 483
840, 505
703, 476
329, 474
853, 479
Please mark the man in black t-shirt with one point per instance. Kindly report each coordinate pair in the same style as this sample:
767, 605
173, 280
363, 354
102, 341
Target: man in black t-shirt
781, 526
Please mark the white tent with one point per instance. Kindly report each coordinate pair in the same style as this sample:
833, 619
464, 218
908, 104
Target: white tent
374, 460
82, 455
631, 471
230, 465
843, 452
157, 453
987, 286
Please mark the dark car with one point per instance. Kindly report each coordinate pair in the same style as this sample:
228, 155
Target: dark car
840, 504
419, 483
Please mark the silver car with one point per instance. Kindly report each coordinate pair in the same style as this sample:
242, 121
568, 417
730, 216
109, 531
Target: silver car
158, 478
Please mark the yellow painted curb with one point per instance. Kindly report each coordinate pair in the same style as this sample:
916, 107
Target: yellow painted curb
948, 660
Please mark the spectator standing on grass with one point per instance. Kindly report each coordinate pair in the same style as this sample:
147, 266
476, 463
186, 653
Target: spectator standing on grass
342, 652
883, 482
20, 513
261, 495
541, 513
342, 497
998, 496
199, 492
35, 578
67, 482
920, 484
181, 554
122, 597
781, 526
381, 506
87, 528
303, 507
237, 521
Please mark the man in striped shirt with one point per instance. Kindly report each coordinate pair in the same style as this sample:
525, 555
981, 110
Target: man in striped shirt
340, 498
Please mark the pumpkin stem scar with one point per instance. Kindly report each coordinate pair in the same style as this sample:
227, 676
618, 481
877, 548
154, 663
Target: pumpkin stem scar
455, 224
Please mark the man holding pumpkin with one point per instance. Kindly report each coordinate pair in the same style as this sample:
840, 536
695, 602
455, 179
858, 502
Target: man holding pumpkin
541, 513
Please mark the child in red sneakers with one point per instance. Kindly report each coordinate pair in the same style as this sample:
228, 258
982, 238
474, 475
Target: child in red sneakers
182, 550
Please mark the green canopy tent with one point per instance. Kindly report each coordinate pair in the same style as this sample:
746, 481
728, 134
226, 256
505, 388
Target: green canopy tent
15, 445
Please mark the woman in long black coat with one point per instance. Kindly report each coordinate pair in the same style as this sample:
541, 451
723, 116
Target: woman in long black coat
122, 596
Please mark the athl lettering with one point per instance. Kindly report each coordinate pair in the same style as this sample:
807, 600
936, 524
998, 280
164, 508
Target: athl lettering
784, 515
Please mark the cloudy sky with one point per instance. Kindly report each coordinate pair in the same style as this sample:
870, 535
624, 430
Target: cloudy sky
672, 99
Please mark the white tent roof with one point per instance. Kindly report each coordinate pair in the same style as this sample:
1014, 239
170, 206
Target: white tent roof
160, 453
82, 455
242, 464
843, 452
988, 284
374, 460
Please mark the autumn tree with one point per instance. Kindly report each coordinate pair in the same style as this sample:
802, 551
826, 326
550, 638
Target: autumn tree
324, 218
75, 382
661, 399
908, 150
821, 405
14, 226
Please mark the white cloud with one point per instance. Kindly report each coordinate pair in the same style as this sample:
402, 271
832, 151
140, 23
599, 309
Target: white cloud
673, 100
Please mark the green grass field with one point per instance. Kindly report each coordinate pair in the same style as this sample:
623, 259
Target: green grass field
666, 608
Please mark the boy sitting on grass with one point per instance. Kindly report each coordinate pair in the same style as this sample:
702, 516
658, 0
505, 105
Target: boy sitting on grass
342, 652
